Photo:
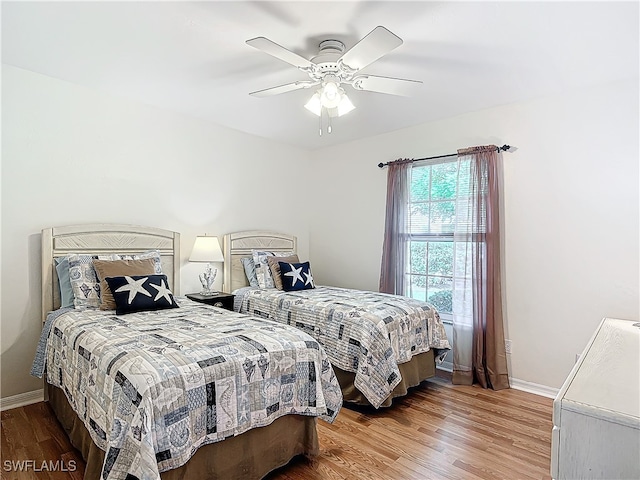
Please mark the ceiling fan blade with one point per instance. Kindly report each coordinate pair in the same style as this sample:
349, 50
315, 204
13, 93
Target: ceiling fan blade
391, 86
288, 87
374, 45
281, 53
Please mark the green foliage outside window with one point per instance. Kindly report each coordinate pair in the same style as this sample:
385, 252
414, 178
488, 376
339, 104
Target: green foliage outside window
440, 258
442, 300
432, 216
441, 187
418, 264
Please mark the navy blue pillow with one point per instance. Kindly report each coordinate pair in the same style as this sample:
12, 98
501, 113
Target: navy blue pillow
139, 293
296, 276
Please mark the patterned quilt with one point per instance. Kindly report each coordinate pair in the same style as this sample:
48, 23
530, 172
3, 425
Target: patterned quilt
152, 387
363, 332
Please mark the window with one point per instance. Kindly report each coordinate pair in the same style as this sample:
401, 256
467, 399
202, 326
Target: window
432, 211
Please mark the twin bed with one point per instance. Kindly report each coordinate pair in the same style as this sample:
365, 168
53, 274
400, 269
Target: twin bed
201, 392
379, 344
179, 393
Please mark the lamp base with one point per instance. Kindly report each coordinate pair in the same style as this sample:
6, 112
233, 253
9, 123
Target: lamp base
208, 293
206, 279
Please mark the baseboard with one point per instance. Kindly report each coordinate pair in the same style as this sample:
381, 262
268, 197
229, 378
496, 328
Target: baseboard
536, 388
446, 366
21, 399
516, 384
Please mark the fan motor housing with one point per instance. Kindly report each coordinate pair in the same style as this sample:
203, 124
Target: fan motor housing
326, 60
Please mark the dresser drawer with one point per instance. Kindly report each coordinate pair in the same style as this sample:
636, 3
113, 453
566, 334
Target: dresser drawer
596, 414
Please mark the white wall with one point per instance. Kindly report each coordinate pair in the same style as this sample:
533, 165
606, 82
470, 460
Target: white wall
571, 211
71, 155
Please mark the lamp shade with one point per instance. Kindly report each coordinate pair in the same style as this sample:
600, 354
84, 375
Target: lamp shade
206, 249
314, 105
345, 106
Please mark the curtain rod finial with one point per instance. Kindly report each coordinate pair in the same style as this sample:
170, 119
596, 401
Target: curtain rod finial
381, 165
504, 148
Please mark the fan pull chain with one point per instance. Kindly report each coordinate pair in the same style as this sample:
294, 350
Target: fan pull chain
329, 126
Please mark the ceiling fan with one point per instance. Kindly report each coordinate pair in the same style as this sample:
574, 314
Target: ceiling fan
334, 67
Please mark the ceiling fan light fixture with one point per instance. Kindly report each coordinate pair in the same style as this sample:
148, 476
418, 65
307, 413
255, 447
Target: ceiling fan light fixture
331, 95
334, 108
345, 106
314, 105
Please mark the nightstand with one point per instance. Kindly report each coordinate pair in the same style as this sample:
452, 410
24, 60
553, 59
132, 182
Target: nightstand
220, 299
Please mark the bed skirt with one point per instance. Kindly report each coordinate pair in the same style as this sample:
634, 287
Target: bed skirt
419, 368
251, 455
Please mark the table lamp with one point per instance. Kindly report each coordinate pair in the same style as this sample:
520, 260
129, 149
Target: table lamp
207, 249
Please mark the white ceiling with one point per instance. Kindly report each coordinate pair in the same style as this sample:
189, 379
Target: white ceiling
191, 57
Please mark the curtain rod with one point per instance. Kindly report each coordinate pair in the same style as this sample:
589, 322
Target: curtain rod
503, 148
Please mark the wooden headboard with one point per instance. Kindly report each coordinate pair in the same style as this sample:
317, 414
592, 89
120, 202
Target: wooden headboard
240, 244
104, 239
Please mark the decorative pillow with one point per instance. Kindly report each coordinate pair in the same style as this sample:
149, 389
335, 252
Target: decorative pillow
84, 283
250, 270
66, 292
118, 268
274, 267
153, 254
263, 273
139, 293
296, 276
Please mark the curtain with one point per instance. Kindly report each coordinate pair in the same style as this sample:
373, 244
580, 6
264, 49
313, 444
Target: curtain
394, 247
478, 335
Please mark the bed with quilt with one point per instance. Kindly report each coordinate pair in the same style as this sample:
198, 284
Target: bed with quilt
379, 344
164, 387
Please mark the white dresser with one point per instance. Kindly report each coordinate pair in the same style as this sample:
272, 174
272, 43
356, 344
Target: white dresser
596, 414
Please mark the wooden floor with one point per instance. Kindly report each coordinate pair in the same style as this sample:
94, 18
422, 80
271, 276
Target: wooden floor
439, 431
